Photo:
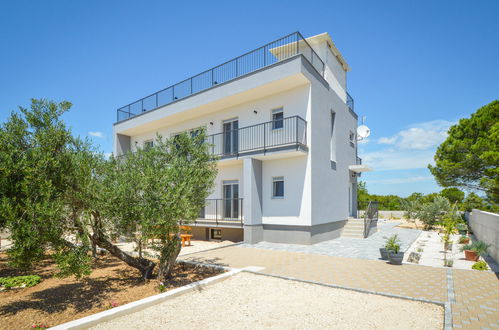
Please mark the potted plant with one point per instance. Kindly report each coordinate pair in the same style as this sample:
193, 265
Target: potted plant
383, 251
462, 228
464, 240
393, 248
474, 250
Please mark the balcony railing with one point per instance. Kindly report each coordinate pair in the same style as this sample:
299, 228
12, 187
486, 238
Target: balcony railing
264, 56
285, 134
350, 102
222, 211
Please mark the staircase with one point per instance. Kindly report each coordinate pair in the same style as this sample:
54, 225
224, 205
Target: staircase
354, 228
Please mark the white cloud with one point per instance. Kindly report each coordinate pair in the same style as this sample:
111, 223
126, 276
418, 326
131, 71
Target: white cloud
363, 141
410, 148
385, 140
97, 134
421, 136
403, 180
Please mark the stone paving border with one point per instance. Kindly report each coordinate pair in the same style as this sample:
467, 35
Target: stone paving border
446, 305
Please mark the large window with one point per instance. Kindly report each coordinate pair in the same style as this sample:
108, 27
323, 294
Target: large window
278, 187
277, 118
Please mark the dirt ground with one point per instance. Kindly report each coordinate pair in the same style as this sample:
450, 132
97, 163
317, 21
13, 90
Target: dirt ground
54, 301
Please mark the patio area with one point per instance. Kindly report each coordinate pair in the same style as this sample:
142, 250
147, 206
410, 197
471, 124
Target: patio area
346, 247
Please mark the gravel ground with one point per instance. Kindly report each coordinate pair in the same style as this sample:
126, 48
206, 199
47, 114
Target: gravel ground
248, 301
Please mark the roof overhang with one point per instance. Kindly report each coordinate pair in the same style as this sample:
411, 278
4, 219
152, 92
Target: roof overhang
360, 168
325, 37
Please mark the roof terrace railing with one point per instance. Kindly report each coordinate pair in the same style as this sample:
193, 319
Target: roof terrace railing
276, 51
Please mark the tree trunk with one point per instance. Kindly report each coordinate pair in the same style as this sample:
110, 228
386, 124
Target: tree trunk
94, 250
167, 258
145, 266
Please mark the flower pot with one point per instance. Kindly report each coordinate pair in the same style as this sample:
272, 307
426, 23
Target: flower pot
470, 255
395, 258
465, 241
384, 253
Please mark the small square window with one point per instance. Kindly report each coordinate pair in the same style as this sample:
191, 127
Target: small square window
277, 119
148, 144
278, 187
216, 233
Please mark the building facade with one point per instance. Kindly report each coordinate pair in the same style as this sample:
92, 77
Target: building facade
284, 127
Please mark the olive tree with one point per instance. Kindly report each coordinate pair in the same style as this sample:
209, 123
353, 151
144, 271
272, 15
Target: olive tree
58, 194
153, 191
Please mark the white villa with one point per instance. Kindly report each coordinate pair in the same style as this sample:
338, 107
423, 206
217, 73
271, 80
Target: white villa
283, 124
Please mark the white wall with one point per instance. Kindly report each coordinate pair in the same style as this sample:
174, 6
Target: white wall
330, 187
485, 226
334, 73
294, 102
294, 208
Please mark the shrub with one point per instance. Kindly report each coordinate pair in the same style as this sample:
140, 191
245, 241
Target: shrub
448, 263
463, 239
19, 281
478, 247
480, 265
393, 243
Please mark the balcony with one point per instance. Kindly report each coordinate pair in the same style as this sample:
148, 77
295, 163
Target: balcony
221, 212
267, 55
287, 134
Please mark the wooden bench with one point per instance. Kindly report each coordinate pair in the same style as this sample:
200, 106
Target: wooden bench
186, 238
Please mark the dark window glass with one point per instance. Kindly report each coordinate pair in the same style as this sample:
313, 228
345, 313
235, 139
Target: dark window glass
278, 187
277, 120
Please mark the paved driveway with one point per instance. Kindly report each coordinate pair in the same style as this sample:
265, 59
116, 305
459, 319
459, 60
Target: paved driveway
473, 295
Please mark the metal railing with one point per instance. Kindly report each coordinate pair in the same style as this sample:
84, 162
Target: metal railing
350, 101
359, 161
222, 210
370, 215
290, 132
276, 51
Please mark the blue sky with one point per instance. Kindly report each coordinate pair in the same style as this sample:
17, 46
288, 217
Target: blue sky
417, 66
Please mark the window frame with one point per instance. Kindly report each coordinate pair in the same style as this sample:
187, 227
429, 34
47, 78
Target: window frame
280, 121
275, 180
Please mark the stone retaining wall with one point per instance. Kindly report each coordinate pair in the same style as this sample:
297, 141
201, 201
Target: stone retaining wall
485, 226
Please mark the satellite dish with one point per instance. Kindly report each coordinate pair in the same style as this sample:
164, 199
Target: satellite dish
363, 132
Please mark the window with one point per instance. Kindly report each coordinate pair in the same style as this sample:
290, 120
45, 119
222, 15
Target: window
277, 118
216, 233
352, 139
332, 141
278, 187
148, 144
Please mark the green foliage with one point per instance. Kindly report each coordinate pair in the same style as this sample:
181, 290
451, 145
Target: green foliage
75, 261
58, 194
469, 156
36, 172
454, 195
463, 239
392, 243
473, 201
431, 213
19, 281
480, 265
479, 247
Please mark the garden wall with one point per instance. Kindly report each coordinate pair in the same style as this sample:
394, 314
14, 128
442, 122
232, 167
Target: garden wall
485, 227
